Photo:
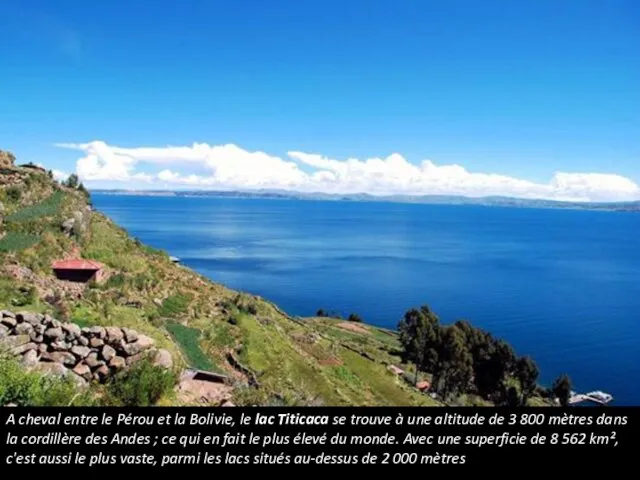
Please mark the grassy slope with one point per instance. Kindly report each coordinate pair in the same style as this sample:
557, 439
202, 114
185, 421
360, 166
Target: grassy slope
202, 323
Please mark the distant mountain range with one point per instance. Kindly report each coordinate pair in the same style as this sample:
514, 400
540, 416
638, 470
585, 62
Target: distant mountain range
363, 197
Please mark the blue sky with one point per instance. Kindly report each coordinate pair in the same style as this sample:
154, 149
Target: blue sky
499, 96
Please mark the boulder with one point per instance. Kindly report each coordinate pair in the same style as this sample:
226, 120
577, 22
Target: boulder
103, 372
24, 329
107, 353
4, 330
96, 342
133, 359
14, 341
47, 319
117, 363
65, 358
163, 359
7, 314
142, 343
93, 361
52, 368
36, 337
24, 348
97, 332
83, 370
30, 358
43, 347
81, 352
60, 346
9, 321
72, 329
130, 335
55, 323
31, 318
84, 341
114, 334
54, 333
40, 328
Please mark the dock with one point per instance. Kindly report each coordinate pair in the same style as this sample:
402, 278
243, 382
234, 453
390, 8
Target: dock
601, 398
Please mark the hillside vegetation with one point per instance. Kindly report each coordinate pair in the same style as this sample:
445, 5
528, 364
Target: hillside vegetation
269, 357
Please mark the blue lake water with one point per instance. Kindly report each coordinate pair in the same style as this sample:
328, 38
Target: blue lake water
560, 285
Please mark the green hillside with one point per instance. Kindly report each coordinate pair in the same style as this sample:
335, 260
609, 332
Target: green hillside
267, 356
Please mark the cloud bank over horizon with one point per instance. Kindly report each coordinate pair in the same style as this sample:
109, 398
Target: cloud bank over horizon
230, 167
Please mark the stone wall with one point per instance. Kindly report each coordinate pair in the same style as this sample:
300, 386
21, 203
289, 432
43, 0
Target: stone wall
84, 354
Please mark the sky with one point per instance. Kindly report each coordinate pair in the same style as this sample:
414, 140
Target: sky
535, 99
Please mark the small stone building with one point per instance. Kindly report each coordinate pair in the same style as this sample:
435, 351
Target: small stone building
79, 270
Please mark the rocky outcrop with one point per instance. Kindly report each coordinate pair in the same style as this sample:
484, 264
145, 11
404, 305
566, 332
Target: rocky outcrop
85, 354
78, 223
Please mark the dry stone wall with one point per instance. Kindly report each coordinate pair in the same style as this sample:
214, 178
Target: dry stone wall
84, 354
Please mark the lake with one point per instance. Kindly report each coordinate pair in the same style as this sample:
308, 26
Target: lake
560, 285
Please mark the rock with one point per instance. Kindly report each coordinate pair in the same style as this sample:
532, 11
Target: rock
103, 372
108, 353
60, 370
4, 330
227, 403
14, 341
142, 343
130, 335
114, 334
47, 319
60, 357
7, 314
55, 323
83, 370
97, 332
30, 318
52, 368
54, 334
42, 348
81, 352
40, 328
36, 337
96, 342
24, 348
9, 321
60, 346
84, 341
118, 363
163, 359
92, 360
133, 359
24, 329
72, 329
30, 358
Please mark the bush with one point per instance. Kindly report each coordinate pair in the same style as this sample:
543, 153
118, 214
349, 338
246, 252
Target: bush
142, 385
14, 193
25, 388
354, 317
174, 305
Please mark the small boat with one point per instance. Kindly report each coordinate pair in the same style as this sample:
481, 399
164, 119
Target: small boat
174, 259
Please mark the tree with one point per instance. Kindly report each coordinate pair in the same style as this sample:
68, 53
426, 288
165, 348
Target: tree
561, 389
418, 335
354, 317
72, 181
321, 313
527, 373
454, 369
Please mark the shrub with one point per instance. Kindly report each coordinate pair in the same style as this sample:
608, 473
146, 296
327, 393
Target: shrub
354, 317
14, 193
142, 385
25, 388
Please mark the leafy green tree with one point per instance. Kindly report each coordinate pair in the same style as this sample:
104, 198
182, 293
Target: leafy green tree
354, 317
72, 181
418, 334
561, 389
527, 373
454, 369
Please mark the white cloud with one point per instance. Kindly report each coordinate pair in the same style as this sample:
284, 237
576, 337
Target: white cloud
59, 175
231, 167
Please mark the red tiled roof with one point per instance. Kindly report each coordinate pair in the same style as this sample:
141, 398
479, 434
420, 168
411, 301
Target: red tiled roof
77, 264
